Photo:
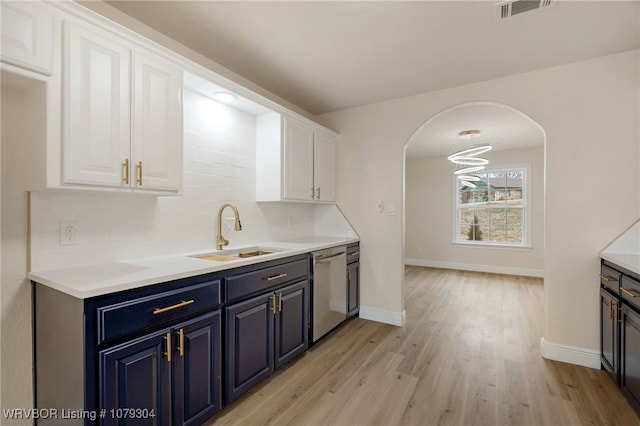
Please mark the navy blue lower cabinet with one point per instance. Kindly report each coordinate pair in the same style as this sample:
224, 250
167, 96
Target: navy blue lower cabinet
292, 329
197, 376
250, 330
263, 333
169, 377
136, 375
630, 356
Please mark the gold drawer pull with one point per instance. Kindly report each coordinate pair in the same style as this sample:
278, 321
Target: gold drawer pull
608, 278
633, 293
275, 277
355, 253
157, 311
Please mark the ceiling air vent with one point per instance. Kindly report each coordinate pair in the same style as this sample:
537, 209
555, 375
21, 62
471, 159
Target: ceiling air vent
509, 8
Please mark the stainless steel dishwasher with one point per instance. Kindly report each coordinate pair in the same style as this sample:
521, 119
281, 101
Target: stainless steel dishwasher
329, 290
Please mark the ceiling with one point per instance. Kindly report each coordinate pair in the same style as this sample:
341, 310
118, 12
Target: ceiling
324, 56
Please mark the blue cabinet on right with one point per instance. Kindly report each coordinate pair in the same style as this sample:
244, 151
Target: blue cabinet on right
353, 280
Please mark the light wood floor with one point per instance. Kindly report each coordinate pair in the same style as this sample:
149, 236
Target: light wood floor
468, 355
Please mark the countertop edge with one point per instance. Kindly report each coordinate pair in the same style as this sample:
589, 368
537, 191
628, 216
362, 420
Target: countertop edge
153, 270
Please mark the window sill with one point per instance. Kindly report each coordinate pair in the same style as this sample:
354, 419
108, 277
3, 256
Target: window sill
493, 246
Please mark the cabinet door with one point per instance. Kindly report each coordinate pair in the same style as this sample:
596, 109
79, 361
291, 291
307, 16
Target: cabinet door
324, 169
609, 333
249, 344
197, 369
292, 325
27, 31
298, 161
630, 356
353, 288
136, 375
96, 107
156, 125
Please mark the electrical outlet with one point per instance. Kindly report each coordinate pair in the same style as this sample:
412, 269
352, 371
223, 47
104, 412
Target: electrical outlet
68, 233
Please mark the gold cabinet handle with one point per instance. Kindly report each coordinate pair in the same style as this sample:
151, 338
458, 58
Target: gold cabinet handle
139, 170
167, 337
274, 309
275, 277
633, 293
125, 178
617, 311
318, 189
181, 342
279, 302
355, 253
157, 311
313, 196
608, 278
610, 311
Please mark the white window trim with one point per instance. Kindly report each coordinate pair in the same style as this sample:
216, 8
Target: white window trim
526, 232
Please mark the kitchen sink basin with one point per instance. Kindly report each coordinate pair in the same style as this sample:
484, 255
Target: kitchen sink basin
230, 255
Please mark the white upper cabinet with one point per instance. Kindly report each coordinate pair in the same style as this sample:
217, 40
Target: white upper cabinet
324, 170
27, 31
298, 161
295, 160
96, 129
122, 117
156, 149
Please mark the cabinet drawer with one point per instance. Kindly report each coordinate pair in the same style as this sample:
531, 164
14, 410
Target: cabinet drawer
353, 253
239, 286
630, 291
127, 317
610, 278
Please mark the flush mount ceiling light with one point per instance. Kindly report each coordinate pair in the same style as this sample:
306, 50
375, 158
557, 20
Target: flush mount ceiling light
224, 97
469, 134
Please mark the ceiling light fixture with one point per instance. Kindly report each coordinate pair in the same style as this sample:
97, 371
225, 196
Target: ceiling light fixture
469, 178
469, 134
468, 170
224, 97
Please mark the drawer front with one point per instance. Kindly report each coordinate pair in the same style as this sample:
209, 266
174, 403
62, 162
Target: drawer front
610, 278
630, 291
127, 317
353, 253
242, 285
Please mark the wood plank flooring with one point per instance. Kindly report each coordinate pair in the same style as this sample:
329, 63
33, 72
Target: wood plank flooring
468, 355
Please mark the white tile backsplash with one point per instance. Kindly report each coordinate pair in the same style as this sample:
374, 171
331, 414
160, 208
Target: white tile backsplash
219, 166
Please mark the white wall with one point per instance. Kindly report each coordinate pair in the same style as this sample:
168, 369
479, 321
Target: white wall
589, 111
430, 214
22, 120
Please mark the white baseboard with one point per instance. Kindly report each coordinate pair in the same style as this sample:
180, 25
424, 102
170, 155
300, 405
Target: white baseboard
508, 270
570, 354
386, 317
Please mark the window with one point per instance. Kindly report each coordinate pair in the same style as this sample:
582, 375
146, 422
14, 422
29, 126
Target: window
496, 211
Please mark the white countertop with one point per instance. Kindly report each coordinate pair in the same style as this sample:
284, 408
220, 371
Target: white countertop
96, 280
630, 262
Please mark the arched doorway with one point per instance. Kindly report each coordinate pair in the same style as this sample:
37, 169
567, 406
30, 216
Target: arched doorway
431, 225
